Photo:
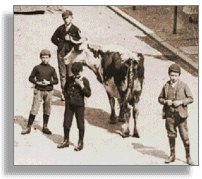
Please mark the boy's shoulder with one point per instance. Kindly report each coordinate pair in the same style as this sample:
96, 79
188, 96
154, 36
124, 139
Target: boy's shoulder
61, 27
182, 83
40, 65
167, 83
74, 27
51, 67
37, 66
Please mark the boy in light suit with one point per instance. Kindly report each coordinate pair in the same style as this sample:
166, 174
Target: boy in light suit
175, 96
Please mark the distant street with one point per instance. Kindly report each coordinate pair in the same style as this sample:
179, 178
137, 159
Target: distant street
102, 144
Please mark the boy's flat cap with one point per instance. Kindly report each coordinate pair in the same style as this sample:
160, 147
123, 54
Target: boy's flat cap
66, 14
45, 52
174, 68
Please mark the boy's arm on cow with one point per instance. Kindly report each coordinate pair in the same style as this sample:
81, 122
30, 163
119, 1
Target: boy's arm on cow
189, 97
161, 97
76, 35
86, 89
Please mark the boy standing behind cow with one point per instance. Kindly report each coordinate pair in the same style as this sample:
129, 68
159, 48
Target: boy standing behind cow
175, 96
62, 39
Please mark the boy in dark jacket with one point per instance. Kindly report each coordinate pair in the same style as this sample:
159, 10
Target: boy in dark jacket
175, 96
76, 88
62, 39
44, 77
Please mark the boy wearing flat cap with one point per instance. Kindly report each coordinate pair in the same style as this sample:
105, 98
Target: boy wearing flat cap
175, 96
76, 88
62, 39
43, 76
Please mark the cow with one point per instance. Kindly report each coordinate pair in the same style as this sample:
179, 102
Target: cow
120, 71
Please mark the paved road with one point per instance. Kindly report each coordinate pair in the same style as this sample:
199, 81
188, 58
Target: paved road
102, 144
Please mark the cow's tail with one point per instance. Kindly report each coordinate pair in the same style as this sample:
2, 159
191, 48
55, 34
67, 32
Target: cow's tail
140, 68
130, 82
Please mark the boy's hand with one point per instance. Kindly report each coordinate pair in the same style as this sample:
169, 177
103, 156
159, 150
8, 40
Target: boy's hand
169, 102
65, 60
177, 103
43, 83
67, 37
46, 82
40, 83
79, 82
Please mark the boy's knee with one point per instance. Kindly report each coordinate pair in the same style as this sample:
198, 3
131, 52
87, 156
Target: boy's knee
186, 142
66, 126
34, 112
81, 126
172, 135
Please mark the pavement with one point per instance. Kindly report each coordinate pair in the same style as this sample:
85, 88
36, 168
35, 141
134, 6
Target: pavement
157, 23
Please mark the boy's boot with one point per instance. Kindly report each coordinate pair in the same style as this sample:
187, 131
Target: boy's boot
65, 143
45, 124
80, 142
27, 130
188, 157
171, 158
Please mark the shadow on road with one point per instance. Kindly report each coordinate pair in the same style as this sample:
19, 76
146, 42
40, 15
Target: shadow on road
57, 101
100, 118
57, 139
146, 150
94, 116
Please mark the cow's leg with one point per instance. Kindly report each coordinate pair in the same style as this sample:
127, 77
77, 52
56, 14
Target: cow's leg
112, 105
125, 127
135, 116
121, 114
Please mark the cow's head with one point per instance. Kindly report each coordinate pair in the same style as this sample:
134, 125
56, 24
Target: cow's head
136, 61
84, 53
76, 54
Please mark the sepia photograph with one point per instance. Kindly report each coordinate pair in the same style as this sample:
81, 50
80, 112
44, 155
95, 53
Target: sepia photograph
106, 85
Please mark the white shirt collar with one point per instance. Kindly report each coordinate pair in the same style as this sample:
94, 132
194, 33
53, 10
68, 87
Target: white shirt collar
67, 27
174, 84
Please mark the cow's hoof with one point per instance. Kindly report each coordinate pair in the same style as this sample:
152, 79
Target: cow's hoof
125, 134
135, 134
112, 122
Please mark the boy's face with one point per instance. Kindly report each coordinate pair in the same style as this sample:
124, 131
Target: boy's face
78, 74
45, 59
174, 76
68, 20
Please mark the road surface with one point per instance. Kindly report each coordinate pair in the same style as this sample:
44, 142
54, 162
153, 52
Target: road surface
102, 144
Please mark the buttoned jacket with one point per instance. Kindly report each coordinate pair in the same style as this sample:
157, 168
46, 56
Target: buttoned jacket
74, 93
182, 93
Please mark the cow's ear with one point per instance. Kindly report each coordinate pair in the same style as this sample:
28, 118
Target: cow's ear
101, 53
125, 67
127, 63
141, 58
